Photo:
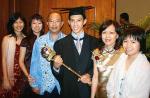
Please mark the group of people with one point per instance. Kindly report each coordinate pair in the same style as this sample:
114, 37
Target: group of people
16, 54
113, 66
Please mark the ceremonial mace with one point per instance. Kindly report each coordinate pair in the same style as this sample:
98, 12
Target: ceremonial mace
48, 54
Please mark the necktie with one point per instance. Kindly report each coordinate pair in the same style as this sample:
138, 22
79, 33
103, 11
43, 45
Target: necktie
78, 45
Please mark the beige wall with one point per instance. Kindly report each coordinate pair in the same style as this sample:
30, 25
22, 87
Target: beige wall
137, 9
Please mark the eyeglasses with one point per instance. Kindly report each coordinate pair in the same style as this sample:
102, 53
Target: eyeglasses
57, 21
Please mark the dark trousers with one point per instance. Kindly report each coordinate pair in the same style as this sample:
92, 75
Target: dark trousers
27, 93
53, 94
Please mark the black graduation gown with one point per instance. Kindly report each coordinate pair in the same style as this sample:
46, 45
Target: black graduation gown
82, 64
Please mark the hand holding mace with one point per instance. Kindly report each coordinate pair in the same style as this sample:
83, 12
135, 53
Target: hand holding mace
48, 54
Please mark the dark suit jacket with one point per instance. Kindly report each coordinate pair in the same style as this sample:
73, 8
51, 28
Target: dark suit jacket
82, 64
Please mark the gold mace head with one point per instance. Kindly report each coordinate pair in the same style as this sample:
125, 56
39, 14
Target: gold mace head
47, 53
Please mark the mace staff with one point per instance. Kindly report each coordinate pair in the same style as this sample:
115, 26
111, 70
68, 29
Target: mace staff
48, 54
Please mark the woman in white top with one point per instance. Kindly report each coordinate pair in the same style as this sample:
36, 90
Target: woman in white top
131, 75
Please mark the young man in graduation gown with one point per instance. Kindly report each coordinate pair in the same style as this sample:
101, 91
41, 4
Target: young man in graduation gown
75, 50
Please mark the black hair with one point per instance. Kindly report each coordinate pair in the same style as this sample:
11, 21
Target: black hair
12, 20
124, 16
138, 34
106, 24
77, 11
36, 16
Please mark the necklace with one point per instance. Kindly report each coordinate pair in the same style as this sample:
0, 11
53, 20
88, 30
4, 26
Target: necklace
102, 58
106, 50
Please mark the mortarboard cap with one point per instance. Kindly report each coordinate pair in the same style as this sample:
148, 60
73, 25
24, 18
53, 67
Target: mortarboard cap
75, 10
78, 11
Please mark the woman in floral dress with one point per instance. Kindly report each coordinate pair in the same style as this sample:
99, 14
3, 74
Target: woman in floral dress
36, 29
104, 57
13, 81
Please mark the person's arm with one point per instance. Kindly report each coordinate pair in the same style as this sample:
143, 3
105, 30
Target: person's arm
86, 78
57, 63
57, 70
22, 64
110, 85
94, 44
21, 61
94, 81
6, 83
35, 62
140, 84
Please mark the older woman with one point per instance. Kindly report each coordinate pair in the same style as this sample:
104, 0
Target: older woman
104, 57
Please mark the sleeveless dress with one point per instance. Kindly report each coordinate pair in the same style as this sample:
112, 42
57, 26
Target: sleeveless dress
104, 63
19, 81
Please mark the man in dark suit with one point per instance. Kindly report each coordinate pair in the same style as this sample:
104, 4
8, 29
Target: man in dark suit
75, 50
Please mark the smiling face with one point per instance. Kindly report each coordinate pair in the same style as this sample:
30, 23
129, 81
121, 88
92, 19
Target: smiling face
36, 26
109, 36
18, 25
76, 23
131, 46
54, 22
